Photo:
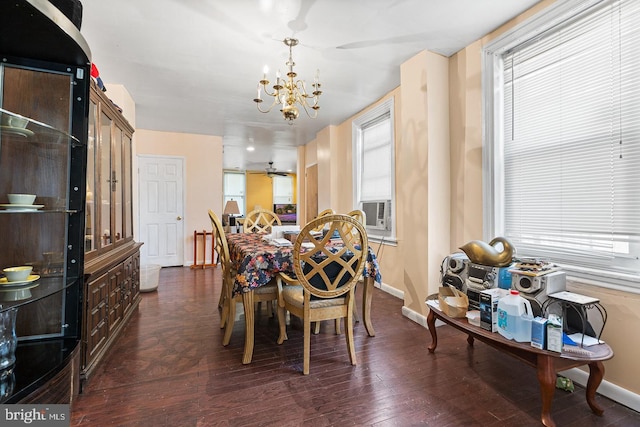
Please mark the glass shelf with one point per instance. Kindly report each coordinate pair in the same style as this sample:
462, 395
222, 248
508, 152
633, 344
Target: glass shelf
19, 295
36, 211
17, 126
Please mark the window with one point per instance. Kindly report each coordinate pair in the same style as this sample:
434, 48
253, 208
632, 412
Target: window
562, 142
234, 188
374, 172
282, 189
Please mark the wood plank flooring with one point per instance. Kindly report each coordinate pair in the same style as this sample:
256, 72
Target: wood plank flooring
169, 368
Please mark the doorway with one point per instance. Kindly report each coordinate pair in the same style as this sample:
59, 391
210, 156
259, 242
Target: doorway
311, 192
161, 208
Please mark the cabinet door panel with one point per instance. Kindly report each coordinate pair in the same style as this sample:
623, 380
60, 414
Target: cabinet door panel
90, 236
39, 95
126, 186
117, 172
105, 178
126, 284
97, 310
135, 275
115, 297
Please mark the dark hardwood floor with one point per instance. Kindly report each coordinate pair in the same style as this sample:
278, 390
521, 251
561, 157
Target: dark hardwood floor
169, 368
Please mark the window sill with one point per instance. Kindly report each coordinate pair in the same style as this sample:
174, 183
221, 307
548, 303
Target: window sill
603, 283
385, 240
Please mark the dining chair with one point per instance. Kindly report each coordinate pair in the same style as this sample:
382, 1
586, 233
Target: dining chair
323, 213
260, 221
325, 276
227, 300
359, 215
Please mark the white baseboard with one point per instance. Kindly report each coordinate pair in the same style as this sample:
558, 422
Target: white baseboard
414, 316
578, 376
607, 389
390, 290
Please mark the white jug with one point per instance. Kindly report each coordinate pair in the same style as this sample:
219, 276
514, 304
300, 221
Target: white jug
514, 317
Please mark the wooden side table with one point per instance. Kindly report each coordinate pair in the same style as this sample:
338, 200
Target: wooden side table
547, 363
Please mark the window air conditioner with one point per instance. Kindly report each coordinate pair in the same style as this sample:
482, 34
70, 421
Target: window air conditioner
378, 214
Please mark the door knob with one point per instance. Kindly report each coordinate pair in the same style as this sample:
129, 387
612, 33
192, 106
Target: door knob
179, 218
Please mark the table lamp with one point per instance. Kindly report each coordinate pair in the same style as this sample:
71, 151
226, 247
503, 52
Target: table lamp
231, 208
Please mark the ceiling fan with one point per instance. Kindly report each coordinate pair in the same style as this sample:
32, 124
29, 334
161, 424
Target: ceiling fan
271, 171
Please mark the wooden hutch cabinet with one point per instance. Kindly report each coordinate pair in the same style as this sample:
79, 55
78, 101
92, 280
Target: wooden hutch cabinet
112, 257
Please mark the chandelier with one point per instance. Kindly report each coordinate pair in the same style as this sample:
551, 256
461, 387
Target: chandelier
289, 92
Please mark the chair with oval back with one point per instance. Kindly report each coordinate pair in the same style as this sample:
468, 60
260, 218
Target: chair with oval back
325, 278
227, 300
323, 213
329, 211
359, 215
260, 221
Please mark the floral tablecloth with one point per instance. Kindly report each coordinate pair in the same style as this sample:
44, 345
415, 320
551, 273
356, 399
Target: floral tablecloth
257, 261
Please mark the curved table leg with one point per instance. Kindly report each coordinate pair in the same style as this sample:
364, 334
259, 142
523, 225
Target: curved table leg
247, 302
547, 380
367, 293
596, 373
431, 323
470, 340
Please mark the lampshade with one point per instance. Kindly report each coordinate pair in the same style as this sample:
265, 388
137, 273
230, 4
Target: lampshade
231, 208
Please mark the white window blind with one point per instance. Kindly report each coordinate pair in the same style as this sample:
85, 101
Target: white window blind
570, 140
282, 189
374, 164
376, 159
234, 189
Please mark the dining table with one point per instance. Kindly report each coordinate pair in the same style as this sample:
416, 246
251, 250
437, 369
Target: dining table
256, 261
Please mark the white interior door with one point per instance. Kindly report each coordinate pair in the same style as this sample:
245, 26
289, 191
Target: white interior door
161, 199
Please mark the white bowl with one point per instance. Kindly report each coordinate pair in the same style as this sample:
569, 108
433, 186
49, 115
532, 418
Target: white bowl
18, 122
17, 274
14, 121
15, 295
21, 199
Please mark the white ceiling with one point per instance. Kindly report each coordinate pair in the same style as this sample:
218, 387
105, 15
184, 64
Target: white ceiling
193, 65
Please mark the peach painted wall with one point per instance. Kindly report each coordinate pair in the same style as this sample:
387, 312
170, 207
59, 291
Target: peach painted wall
324, 158
466, 209
410, 266
202, 156
122, 98
307, 156
423, 175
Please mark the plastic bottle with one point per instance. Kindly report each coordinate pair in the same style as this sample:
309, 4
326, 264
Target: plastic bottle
514, 317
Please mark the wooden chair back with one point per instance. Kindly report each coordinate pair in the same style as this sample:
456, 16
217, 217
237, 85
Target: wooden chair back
359, 215
324, 213
228, 301
260, 221
326, 270
221, 247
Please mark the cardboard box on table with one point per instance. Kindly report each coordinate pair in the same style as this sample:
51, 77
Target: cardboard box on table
452, 302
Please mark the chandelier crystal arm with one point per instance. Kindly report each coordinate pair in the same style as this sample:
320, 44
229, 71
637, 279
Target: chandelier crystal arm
288, 91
